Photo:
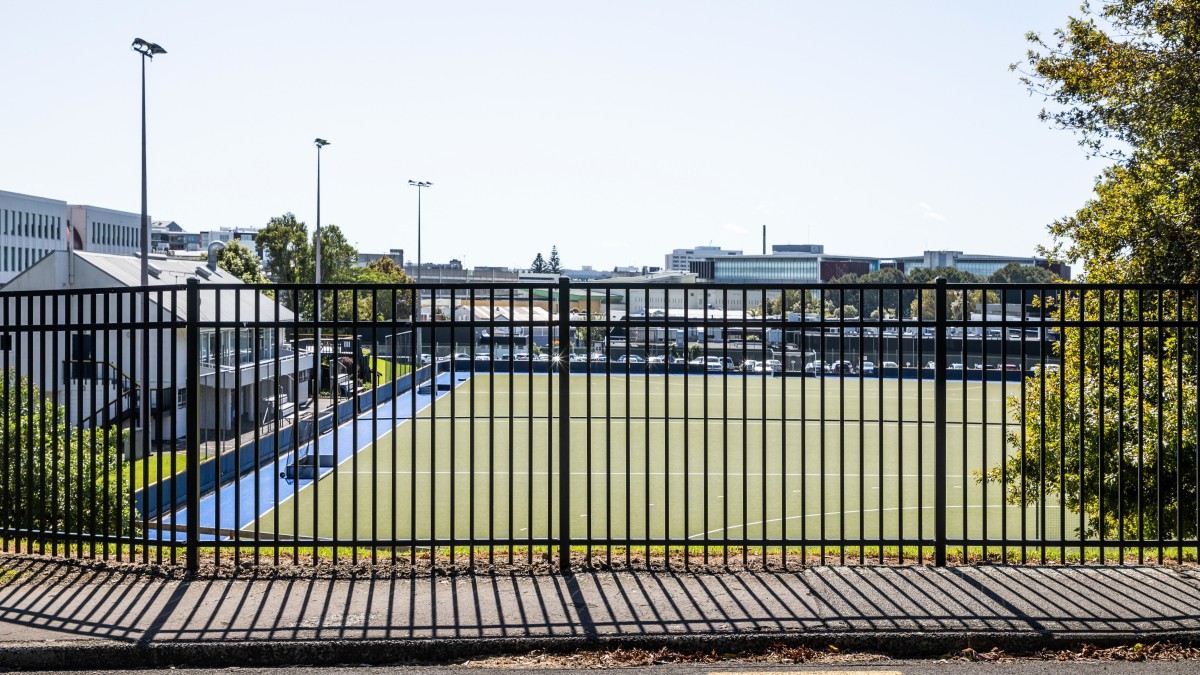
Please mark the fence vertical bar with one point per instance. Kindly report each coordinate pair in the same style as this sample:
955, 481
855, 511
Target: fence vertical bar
939, 417
564, 425
193, 425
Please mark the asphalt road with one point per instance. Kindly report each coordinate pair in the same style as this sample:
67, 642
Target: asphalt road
896, 667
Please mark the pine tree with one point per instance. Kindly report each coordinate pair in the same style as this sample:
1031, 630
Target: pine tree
555, 264
539, 264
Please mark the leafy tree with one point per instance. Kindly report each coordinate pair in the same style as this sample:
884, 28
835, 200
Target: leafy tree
926, 275
237, 259
588, 336
539, 264
378, 304
554, 265
65, 481
289, 254
1122, 77
1016, 273
339, 258
869, 301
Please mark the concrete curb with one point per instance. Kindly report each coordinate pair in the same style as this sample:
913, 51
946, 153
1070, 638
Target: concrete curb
262, 653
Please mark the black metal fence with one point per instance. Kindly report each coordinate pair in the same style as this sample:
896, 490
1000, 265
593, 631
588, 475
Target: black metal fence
616, 423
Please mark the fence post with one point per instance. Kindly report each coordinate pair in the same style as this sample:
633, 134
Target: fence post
941, 322
192, 484
564, 425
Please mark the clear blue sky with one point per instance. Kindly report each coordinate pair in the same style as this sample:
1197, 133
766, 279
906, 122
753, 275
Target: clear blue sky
615, 130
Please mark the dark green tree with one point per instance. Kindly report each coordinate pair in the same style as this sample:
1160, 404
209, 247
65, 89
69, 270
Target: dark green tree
289, 256
1122, 76
381, 304
554, 264
66, 479
1016, 273
237, 259
539, 264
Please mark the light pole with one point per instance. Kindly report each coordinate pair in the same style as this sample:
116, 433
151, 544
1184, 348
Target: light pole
320, 143
147, 50
420, 185
317, 351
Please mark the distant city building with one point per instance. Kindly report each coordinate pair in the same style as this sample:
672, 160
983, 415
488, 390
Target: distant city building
31, 228
785, 249
782, 268
160, 231
979, 265
102, 230
585, 273
396, 254
681, 258
246, 235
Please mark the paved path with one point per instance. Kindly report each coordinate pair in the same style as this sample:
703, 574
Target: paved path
117, 617
240, 503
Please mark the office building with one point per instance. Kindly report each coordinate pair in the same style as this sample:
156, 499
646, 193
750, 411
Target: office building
31, 228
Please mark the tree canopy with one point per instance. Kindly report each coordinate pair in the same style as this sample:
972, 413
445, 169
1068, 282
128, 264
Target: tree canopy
77, 486
237, 259
1122, 76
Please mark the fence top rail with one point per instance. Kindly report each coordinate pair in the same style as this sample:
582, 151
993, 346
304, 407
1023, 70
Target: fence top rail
598, 287
154, 291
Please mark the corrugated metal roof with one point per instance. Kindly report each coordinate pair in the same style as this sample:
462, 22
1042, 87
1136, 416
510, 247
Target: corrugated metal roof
231, 305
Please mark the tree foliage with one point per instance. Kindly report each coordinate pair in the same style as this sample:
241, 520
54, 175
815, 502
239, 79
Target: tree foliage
1113, 432
379, 304
554, 264
66, 479
1122, 76
1114, 429
237, 259
539, 264
289, 255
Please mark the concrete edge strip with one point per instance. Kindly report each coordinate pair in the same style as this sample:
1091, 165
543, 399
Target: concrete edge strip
126, 655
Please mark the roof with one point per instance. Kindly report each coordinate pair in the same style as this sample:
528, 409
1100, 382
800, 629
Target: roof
125, 271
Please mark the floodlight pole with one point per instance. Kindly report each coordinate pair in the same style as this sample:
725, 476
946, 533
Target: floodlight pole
317, 367
147, 50
420, 185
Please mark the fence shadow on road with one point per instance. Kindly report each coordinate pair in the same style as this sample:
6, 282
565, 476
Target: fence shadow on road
52, 600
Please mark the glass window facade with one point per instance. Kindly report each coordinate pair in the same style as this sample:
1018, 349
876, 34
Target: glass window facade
779, 269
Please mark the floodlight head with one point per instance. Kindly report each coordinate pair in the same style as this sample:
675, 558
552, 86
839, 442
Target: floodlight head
320, 143
147, 48
420, 183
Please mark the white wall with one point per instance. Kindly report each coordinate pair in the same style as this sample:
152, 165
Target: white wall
30, 228
106, 230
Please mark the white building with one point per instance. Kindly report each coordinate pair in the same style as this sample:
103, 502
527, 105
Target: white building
680, 259
246, 235
86, 361
101, 230
30, 229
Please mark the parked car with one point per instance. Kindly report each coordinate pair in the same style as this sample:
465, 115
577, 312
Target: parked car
841, 368
520, 356
656, 359
774, 366
868, 368
889, 364
815, 367
630, 358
